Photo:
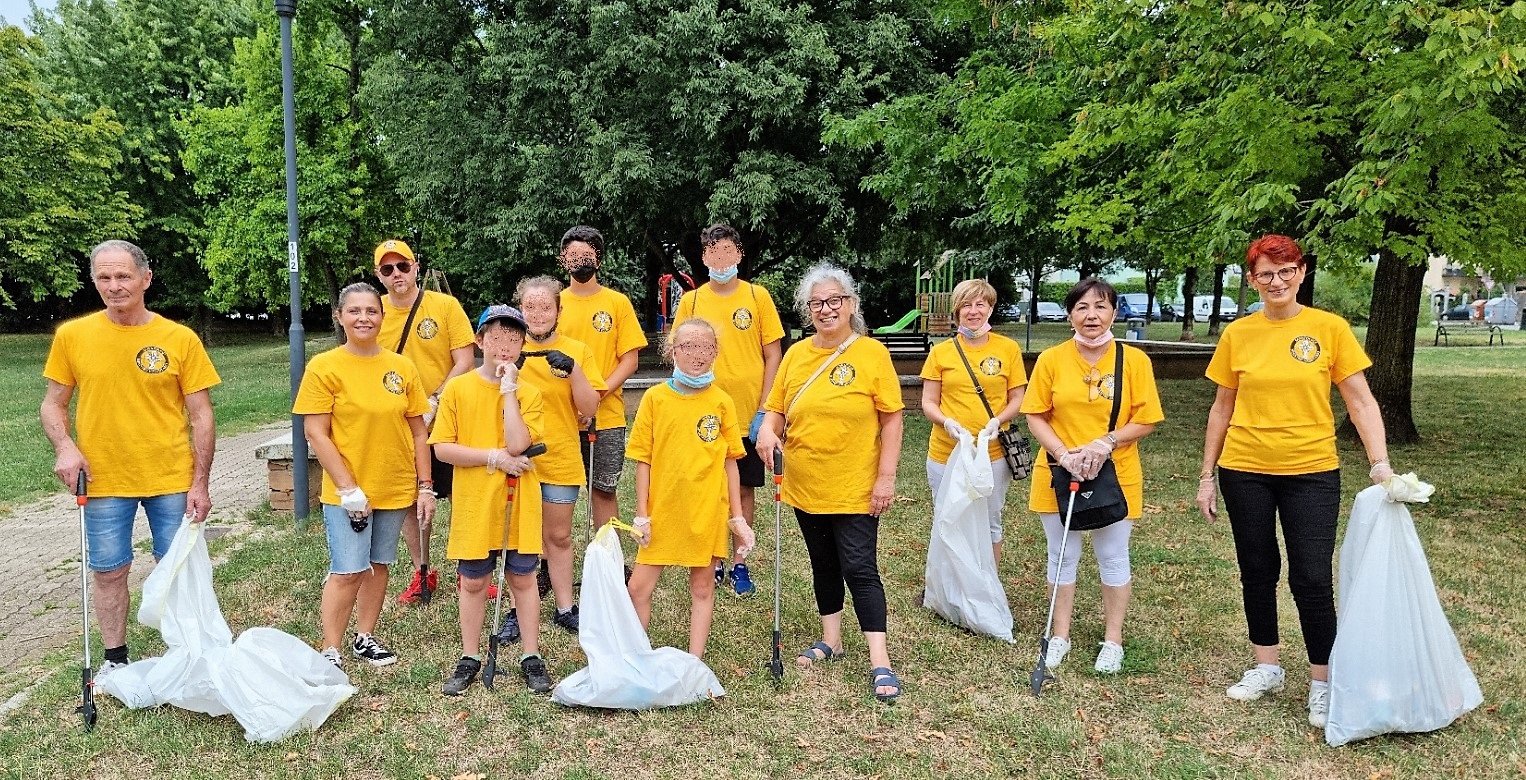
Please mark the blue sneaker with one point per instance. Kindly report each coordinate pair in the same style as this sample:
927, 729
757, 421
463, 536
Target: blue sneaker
741, 581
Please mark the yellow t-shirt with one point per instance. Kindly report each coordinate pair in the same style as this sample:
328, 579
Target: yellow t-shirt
606, 322
440, 326
369, 401
998, 363
832, 446
1079, 396
471, 414
744, 321
686, 439
1282, 372
562, 464
130, 422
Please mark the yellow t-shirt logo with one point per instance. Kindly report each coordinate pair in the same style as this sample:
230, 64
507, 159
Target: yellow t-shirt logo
1100, 385
709, 428
991, 366
428, 328
1305, 349
152, 360
842, 374
393, 382
741, 319
603, 321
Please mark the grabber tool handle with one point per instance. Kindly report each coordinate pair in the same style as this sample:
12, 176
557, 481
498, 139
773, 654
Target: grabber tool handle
79, 488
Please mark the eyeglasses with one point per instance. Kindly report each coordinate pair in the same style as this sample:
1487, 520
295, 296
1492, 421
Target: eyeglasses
833, 302
402, 266
1285, 273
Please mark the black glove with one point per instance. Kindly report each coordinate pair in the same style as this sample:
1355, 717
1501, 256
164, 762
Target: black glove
559, 361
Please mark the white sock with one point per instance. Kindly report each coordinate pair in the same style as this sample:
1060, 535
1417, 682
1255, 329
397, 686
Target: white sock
1315, 685
1272, 668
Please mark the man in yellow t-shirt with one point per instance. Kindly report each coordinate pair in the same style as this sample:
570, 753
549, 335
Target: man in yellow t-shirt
751, 339
437, 337
605, 321
146, 433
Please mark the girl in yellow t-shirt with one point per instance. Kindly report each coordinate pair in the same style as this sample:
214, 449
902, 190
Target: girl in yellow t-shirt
1069, 402
364, 408
685, 442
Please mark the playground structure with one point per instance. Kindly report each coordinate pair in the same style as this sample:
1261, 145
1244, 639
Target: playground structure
935, 293
671, 290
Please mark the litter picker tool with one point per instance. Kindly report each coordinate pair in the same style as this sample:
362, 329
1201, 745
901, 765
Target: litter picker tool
87, 677
1040, 674
425, 594
776, 664
490, 667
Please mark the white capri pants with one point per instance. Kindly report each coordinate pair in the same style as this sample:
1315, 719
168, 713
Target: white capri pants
1110, 545
1000, 471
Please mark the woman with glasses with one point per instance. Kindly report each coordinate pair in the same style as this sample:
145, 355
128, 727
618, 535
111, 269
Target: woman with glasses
1069, 404
835, 410
1271, 436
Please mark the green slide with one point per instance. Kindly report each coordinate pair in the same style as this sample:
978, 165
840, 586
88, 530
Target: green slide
902, 324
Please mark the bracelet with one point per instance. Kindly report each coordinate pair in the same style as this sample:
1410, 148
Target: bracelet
492, 461
428, 492
1201, 480
425, 484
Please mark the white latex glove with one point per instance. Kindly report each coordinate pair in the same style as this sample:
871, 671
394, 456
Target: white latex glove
1380, 472
991, 427
354, 500
434, 409
643, 534
1408, 489
508, 378
1093, 454
954, 428
746, 539
515, 465
1071, 462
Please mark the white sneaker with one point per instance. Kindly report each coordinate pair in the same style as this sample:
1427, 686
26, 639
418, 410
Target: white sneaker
1058, 647
1256, 683
331, 654
108, 667
1319, 705
1109, 658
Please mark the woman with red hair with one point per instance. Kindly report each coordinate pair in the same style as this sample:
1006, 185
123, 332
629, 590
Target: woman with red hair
1271, 437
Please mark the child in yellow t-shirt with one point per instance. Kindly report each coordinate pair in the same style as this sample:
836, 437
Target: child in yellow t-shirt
487, 419
686, 442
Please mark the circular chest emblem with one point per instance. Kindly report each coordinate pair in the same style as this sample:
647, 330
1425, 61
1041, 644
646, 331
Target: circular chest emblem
1305, 349
842, 374
741, 319
393, 382
603, 321
991, 366
152, 360
428, 328
709, 428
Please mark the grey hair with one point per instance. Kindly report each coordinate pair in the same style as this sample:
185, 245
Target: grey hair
822, 273
139, 257
356, 289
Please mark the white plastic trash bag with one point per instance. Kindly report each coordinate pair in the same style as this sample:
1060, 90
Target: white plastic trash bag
1396, 665
271, 682
962, 583
623, 671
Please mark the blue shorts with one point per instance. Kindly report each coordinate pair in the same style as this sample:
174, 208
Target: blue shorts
108, 526
352, 552
518, 563
559, 494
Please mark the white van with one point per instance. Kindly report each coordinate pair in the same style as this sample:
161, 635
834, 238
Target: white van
1202, 307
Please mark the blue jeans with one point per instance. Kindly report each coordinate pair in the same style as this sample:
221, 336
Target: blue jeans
108, 526
353, 552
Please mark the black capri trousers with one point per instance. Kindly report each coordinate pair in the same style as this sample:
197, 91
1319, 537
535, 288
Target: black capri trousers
843, 550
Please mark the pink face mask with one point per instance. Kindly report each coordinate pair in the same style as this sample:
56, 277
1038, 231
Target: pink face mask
1100, 341
975, 333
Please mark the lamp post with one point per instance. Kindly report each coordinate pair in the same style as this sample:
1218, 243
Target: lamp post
285, 10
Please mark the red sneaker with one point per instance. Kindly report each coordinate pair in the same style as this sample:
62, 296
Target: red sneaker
413, 593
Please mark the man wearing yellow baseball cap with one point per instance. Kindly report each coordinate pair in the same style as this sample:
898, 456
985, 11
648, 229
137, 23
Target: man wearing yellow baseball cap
432, 330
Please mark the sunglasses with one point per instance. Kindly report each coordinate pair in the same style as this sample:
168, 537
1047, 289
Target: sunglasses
402, 266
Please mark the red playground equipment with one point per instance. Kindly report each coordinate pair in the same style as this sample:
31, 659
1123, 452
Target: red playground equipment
670, 292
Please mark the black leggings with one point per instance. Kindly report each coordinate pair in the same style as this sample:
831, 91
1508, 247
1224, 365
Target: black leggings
843, 550
1309, 506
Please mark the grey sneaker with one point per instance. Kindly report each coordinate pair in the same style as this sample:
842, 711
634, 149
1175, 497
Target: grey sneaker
458, 682
509, 634
1319, 705
331, 654
372, 651
536, 677
1058, 647
1256, 683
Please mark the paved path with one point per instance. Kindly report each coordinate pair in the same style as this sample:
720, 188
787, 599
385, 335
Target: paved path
39, 603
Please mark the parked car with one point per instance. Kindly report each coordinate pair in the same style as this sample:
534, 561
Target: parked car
1202, 306
1458, 313
1011, 312
1049, 311
1133, 305
1255, 307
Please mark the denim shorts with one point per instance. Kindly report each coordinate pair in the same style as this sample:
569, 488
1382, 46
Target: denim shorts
560, 494
352, 552
518, 563
108, 526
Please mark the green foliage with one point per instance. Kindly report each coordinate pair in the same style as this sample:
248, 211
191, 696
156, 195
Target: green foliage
56, 196
1345, 291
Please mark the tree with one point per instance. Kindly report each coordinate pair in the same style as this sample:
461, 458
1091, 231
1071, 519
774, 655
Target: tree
56, 198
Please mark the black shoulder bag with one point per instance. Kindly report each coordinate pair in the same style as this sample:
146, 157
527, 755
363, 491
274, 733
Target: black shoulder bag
1014, 445
1100, 501
408, 324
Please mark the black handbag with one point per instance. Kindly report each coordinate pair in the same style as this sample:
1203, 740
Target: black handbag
1014, 445
1099, 501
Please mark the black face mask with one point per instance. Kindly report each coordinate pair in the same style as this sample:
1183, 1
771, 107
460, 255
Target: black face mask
583, 273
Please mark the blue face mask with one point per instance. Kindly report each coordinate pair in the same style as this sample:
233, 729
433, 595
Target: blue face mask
724, 275
693, 382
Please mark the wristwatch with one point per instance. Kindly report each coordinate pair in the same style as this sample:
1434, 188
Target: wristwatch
1111, 439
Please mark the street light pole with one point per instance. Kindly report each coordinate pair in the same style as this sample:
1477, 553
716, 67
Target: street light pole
286, 9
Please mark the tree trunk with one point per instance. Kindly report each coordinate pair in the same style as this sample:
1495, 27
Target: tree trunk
1214, 315
1392, 318
1305, 293
1189, 288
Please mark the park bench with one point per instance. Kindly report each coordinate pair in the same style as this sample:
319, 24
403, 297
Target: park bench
905, 345
1445, 329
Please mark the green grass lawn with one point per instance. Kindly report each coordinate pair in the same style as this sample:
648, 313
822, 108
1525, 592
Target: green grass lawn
966, 711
